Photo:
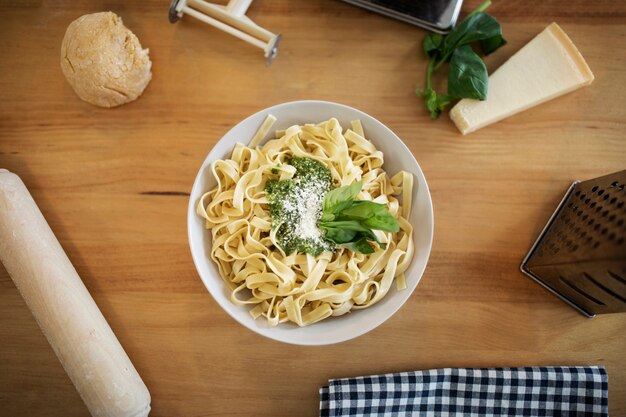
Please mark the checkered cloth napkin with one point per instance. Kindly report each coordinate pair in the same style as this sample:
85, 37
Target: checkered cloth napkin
580, 391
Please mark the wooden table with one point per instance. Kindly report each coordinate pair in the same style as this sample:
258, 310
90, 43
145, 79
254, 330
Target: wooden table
113, 185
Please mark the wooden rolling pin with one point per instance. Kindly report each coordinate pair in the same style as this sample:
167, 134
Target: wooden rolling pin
69, 318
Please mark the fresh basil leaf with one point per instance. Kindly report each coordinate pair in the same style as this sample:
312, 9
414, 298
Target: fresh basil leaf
430, 100
468, 76
435, 103
490, 45
336, 199
338, 235
360, 245
432, 45
468, 80
339, 207
345, 224
443, 100
327, 216
385, 222
475, 27
353, 226
370, 235
362, 210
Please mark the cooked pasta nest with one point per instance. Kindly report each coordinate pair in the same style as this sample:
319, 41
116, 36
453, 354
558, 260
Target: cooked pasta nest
298, 287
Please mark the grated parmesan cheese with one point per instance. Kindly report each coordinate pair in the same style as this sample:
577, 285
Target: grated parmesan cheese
297, 207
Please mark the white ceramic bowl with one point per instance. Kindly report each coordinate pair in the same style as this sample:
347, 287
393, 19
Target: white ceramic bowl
397, 157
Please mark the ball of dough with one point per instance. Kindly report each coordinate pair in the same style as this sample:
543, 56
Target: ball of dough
103, 60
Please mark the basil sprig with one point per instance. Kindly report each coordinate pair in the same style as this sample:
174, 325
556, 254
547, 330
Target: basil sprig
350, 223
468, 76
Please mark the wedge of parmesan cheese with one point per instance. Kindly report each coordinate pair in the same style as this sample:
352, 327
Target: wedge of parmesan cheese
547, 67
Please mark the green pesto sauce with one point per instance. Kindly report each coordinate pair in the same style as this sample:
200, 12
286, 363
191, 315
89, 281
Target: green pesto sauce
298, 199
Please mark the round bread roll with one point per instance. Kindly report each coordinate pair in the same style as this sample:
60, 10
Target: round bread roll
103, 60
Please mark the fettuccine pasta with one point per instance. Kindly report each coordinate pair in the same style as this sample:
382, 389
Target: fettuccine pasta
298, 287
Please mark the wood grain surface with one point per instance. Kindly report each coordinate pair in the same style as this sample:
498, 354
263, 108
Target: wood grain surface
113, 184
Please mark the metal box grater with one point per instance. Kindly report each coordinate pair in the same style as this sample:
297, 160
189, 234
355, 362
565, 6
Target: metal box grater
581, 253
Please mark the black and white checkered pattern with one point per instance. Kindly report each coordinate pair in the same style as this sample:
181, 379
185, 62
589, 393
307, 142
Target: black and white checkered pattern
539, 391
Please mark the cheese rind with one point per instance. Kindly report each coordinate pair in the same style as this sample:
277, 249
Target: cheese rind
545, 68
